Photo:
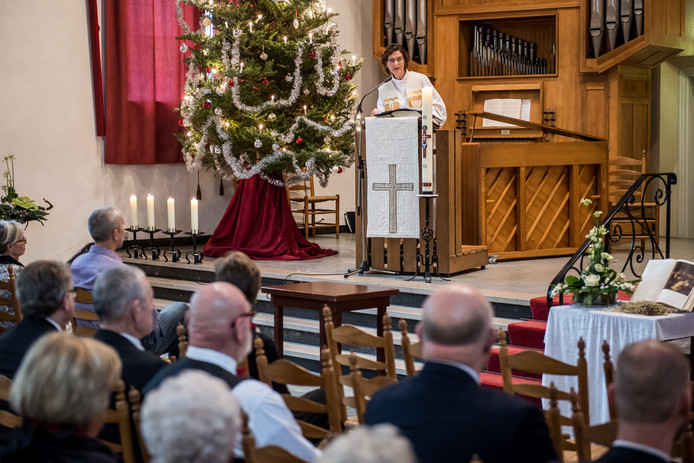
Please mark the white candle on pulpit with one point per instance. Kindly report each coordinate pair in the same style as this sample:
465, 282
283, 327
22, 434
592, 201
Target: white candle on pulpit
133, 212
171, 214
150, 212
428, 155
194, 215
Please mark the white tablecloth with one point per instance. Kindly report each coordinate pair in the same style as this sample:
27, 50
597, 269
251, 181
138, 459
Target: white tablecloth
566, 324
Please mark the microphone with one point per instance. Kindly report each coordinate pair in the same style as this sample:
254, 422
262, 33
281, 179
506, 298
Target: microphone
359, 109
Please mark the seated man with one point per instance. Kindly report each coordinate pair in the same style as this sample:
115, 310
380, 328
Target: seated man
107, 228
219, 336
45, 293
653, 398
443, 410
123, 302
191, 417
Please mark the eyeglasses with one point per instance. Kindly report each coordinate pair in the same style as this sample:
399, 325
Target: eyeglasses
395, 60
250, 314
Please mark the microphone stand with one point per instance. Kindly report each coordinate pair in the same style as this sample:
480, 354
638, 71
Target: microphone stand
361, 189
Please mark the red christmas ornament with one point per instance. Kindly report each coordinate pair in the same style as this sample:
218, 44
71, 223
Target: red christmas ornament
299, 140
339, 170
266, 82
348, 76
206, 104
231, 83
312, 54
208, 69
180, 123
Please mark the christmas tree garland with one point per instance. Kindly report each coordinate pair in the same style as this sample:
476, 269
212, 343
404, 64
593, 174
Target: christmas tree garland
267, 91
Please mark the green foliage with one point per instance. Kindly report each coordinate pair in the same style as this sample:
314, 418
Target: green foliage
243, 114
15, 207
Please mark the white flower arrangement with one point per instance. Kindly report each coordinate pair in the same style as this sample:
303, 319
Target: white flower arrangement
597, 278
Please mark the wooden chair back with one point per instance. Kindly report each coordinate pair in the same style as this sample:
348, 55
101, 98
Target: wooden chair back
135, 399
553, 419
182, 340
267, 454
7, 418
120, 416
307, 204
585, 435
363, 388
535, 362
283, 371
410, 350
609, 377
10, 286
84, 297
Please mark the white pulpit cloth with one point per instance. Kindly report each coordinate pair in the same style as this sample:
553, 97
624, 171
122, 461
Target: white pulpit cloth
392, 170
566, 324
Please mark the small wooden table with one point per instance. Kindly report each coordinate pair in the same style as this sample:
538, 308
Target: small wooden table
340, 297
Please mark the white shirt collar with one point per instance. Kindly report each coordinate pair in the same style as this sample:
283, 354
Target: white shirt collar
53, 322
212, 356
470, 371
136, 342
640, 447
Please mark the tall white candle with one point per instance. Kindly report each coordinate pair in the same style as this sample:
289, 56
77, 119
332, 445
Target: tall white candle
150, 212
133, 212
194, 215
171, 214
428, 155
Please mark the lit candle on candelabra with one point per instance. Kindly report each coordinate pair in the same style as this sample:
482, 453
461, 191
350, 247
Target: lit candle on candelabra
428, 154
171, 215
150, 213
194, 215
133, 212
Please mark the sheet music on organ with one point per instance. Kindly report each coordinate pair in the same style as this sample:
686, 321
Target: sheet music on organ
510, 107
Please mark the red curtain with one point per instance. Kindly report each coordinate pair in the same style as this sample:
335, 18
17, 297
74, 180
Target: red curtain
144, 80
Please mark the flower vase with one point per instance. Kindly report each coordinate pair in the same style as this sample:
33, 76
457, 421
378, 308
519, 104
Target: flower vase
595, 299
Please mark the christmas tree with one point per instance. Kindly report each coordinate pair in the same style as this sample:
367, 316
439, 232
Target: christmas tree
267, 91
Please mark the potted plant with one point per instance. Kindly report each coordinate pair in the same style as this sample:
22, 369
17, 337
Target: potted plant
19, 208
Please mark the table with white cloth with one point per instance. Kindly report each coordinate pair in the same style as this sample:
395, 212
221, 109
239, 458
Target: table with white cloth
567, 324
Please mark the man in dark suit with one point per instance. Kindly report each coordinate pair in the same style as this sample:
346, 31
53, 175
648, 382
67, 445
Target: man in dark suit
123, 300
219, 329
47, 299
443, 410
653, 398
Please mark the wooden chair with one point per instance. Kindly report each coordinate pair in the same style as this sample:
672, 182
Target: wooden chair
135, 399
353, 336
623, 172
303, 196
7, 418
182, 340
283, 371
409, 350
120, 416
84, 297
268, 454
553, 419
11, 286
609, 377
362, 388
585, 436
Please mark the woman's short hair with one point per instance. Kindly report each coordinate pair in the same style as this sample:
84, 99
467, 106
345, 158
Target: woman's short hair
10, 232
65, 381
191, 417
103, 221
239, 270
382, 443
390, 49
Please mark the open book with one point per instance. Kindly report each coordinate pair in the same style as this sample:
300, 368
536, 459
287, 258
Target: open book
668, 281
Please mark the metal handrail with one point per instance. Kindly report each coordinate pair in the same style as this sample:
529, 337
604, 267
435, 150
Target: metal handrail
661, 186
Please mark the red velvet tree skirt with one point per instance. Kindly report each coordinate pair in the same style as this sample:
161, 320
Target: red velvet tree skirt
260, 223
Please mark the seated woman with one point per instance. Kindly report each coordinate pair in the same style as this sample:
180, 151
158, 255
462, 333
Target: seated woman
405, 88
62, 391
12, 247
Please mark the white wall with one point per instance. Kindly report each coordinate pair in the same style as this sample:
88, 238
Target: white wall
47, 121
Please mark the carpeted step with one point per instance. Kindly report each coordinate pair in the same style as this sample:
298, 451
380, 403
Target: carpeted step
538, 305
530, 333
491, 380
494, 366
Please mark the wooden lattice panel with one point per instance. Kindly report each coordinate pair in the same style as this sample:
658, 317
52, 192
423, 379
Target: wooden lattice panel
502, 226
547, 207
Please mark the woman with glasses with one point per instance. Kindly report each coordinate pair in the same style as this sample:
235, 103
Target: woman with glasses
12, 247
405, 88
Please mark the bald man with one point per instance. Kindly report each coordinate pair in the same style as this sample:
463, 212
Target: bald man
443, 410
219, 335
653, 400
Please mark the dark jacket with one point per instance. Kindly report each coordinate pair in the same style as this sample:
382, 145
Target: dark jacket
626, 455
15, 343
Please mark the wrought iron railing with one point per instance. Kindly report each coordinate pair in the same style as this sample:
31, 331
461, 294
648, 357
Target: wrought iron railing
632, 208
